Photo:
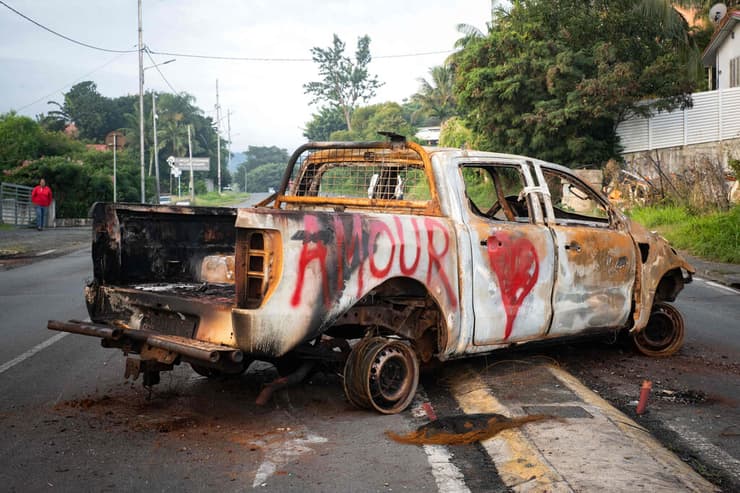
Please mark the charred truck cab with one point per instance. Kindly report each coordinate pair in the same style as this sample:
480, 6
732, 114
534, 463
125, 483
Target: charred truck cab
378, 257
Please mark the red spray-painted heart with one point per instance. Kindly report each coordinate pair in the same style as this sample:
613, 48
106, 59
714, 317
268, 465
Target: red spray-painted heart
515, 263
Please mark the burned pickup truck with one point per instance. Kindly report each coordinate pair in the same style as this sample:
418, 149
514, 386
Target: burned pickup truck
378, 257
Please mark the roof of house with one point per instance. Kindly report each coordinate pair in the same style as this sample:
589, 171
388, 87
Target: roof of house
723, 30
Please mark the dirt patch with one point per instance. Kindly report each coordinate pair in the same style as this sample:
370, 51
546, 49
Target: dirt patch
196, 408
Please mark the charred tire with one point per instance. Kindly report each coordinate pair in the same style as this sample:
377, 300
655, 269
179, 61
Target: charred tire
381, 374
208, 372
663, 335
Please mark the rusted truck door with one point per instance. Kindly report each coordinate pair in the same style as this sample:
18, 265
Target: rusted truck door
595, 258
512, 255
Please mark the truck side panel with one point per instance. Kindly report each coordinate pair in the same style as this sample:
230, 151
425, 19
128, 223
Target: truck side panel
332, 260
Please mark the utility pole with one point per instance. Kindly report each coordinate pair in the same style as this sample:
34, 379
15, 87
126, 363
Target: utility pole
192, 183
115, 194
228, 133
141, 105
218, 138
156, 149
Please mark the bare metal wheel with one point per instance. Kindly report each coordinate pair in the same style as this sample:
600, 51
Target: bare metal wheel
664, 333
381, 374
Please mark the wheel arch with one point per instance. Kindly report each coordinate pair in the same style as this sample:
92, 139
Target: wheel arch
400, 306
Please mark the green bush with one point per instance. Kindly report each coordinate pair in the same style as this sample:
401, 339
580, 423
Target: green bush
80, 182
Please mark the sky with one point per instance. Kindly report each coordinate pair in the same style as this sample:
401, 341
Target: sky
265, 99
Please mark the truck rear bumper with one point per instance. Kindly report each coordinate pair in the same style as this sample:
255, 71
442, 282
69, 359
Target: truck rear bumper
164, 348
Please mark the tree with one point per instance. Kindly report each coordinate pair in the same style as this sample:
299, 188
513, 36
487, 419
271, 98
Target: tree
437, 98
344, 81
265, 176
257, 157
368, 121
20, 139
322, 125
553, 79
455, 133
93, 114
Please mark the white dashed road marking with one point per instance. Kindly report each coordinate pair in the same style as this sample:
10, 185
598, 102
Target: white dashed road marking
19, 359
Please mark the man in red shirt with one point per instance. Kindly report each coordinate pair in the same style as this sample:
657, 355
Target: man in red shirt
41, 197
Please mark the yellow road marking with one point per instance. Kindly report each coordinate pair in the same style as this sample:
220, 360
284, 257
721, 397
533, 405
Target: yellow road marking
520, 465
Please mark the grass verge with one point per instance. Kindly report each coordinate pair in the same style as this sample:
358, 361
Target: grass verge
713, 236
214, 199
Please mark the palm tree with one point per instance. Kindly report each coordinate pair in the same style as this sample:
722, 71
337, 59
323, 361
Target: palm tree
173, 133
436, 98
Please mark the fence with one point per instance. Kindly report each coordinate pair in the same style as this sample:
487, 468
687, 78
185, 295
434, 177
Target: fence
15, 205
715, 116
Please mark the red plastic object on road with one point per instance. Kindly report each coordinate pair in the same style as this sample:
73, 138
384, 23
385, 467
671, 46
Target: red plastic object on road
647, 385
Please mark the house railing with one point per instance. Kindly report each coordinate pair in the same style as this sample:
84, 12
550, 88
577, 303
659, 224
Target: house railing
15, 205
715, 116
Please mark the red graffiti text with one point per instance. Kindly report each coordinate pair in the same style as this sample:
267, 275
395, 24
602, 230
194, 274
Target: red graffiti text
355, 248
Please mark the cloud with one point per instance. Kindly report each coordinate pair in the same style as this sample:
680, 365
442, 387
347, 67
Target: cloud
266, 98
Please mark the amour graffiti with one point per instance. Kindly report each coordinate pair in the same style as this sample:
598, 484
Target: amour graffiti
342, 245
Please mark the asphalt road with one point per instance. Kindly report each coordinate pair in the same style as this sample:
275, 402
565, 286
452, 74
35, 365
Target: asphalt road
712, 314
69, 421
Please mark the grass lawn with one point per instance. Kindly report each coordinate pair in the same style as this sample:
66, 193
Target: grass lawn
213, 199
713, 236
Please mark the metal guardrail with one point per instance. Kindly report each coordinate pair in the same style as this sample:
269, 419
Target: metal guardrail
15, 205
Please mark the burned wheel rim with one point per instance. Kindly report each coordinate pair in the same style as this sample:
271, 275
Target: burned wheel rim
381, 374
353, 383
664, 333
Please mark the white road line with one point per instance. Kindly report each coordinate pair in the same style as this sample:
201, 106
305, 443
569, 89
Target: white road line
717, 285
710, 451
280, 452
46, 252
448, 477
722, 287
10, 364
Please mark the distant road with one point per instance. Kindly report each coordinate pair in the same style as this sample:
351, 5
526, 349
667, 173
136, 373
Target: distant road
253, 199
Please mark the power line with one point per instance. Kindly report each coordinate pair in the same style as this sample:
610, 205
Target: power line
209, 57
148, 53
261, 59
73, 82
86, 45
236, 58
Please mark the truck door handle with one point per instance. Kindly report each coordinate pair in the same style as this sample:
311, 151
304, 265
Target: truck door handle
492, 238
573, 245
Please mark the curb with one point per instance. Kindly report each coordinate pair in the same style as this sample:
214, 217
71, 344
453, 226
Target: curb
598, 449
636, 432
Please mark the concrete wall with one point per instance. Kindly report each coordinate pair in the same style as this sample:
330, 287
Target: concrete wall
673, 158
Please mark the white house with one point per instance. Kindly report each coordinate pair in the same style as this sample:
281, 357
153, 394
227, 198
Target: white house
429, 135
722, 56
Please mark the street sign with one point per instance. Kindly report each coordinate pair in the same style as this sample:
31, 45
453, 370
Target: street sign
120, 139
183, 163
